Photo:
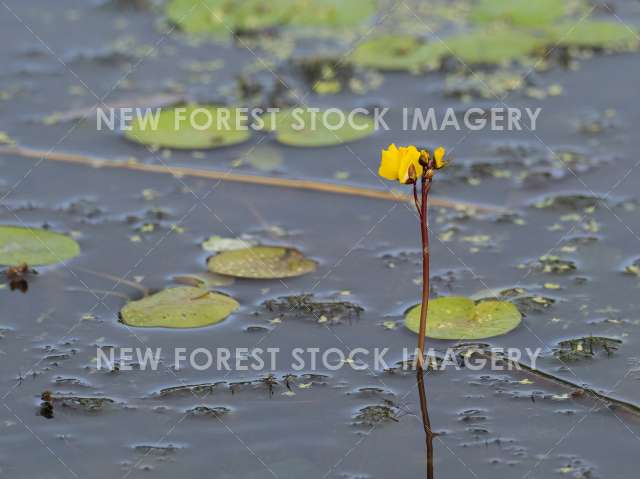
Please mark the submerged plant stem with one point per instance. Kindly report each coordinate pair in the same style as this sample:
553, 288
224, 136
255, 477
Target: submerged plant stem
180, 171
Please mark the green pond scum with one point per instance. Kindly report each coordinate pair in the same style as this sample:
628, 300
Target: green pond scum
341, 239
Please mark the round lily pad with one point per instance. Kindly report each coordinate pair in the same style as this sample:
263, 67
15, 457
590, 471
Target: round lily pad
494, 46
523, 13
594, 34
261, 262
398, 52
330, 13
181, 307
460, 318
190, 127
34, 246
223, 17
309, 128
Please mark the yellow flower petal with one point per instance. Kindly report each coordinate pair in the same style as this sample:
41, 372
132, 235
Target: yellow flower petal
438, 157
408, 156
389, 163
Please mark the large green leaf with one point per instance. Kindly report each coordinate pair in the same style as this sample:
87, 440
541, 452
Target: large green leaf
524, 13
594, 34
183, 127
261, 262
224, 17
460, 318
495, 46
181, 307
331, 13
398, 52
34, 246
304, 127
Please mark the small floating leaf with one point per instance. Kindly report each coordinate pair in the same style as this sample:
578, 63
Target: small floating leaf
34, 246
330, 13
397, 52
261, 262
217, 244
305, 128
190, 127
595, 34
493, 46
524, 13
460, 318
224, 17
181, 307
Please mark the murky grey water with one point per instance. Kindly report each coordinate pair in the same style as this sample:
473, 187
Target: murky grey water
492, 424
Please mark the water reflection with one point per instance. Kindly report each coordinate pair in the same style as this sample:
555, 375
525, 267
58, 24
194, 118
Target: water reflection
426, 423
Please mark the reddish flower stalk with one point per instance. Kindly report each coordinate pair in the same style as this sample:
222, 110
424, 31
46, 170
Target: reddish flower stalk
422, 208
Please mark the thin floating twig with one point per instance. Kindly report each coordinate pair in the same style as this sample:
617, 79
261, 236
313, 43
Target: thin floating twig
181, 171
117, 279
578, 389
96, 292
151, 101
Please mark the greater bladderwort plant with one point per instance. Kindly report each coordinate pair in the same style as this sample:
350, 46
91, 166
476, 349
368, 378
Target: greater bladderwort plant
411, 166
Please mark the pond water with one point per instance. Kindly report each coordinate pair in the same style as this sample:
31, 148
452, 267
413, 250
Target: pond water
148, 227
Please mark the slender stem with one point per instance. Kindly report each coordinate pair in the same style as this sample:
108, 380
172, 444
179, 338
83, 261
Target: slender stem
118, 280
95, 292
178, 171
424, 234
426, 423
416, 201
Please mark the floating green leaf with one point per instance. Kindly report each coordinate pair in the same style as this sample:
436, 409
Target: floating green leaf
595, 34
190, 127
460, 318
330, 13
261, 262
224, 17
181, 307
398, 52
34, 246
523, 13
500, 45
217, 244
310, 128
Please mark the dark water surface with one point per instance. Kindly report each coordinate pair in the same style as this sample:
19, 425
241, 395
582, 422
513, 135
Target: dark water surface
491, 424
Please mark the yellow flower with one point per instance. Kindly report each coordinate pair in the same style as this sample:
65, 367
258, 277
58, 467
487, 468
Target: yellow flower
396, 163
438, 158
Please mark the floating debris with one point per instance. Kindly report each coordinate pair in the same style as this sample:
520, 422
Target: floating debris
370, 416
209, 412
18, 277
319, 311
633, 268
586, 348
576, 202
75, 403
